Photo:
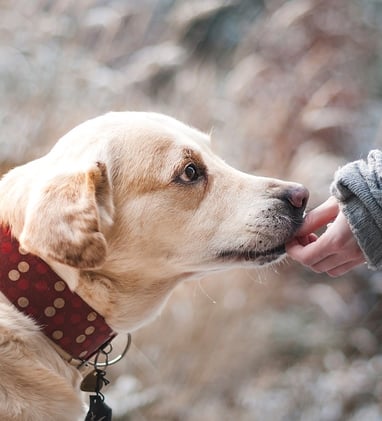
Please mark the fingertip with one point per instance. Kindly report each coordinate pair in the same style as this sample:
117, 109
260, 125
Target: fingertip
302, 240
312, 238
332, 275
307, 239
315, 270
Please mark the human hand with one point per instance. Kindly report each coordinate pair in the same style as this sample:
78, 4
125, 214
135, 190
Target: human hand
336, 251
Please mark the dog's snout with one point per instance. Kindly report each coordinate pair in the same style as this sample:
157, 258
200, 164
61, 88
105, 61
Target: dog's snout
297, 196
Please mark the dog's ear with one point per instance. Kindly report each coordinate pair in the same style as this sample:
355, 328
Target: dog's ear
66, 219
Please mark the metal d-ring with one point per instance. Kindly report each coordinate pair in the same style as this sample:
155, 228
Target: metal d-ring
97, 364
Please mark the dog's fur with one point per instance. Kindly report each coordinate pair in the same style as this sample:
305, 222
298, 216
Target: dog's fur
112, 209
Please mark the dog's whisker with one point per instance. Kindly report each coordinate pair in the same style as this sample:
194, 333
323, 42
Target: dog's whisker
205, 292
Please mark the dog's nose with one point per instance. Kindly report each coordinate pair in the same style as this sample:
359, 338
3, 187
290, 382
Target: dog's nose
297, 196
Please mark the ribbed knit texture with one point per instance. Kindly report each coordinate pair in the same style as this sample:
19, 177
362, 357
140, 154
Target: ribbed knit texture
358, 187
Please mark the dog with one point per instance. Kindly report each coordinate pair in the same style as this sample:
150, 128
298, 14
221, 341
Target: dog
123, 208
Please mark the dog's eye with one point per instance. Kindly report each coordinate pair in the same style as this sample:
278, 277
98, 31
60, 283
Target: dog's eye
191, 173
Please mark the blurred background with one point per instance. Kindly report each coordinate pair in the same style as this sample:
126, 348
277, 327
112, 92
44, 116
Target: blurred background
290, 89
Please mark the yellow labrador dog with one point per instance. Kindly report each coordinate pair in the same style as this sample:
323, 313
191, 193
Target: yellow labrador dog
123, 208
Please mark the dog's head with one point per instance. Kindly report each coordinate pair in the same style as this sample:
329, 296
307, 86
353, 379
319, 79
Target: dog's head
140, 197
145, 191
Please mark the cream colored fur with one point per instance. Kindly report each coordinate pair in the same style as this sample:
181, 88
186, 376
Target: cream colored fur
112, 209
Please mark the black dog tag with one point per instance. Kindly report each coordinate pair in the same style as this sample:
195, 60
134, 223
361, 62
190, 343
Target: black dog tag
98, 410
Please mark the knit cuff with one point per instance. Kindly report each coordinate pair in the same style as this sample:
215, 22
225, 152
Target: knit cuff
356, 189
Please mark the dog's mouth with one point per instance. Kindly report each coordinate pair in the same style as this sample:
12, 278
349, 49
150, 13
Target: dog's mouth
256, 256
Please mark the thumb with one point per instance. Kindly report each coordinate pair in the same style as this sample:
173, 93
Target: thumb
320, 216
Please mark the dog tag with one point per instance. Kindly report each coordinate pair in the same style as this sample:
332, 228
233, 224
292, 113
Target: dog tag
98, 410
91, 383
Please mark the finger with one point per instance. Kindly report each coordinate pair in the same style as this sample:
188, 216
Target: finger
294, 248
342, 269
319, 217
337, 262
330, 263
308, 255
310, 238
300, 241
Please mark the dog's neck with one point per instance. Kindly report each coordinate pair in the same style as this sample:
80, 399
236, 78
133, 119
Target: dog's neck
36, 290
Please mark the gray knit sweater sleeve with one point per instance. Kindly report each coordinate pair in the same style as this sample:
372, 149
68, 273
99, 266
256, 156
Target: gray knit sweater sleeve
358, 187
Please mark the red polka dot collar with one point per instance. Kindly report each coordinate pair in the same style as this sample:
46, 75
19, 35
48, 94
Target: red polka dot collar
36, 290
